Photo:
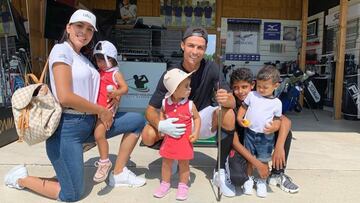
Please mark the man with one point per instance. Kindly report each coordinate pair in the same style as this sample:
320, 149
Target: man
188, 11
204, 81
168, 13
207, 14
198, 13
128, 12
178, 14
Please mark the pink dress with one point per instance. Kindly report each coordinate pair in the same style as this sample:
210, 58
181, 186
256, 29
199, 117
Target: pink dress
178, 148
107, 77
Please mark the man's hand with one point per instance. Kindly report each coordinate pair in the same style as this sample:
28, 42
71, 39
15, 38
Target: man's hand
278, 158
222, 97
170, 128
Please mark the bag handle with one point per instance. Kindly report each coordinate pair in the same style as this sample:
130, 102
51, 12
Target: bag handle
43, 74
34, 78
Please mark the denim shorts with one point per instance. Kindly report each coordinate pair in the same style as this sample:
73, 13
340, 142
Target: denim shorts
64, 147
259, 144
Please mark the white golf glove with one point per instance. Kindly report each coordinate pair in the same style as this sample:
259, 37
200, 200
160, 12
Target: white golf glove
170, 128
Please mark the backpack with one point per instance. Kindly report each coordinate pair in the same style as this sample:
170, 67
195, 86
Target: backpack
236, 168
36, 111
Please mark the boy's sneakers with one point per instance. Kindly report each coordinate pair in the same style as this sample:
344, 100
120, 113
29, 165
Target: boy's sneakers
162, 190
226, 188
248, 186
284, 182
102, 171
126, 178
261, 190
12, 177
182, 192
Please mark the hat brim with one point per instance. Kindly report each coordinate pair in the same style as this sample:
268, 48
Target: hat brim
168, 94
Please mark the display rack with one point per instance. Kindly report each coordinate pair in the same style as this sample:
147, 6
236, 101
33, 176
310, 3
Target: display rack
148, 45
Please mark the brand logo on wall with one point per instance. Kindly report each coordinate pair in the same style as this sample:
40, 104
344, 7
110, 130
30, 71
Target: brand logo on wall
272, 31
139, 84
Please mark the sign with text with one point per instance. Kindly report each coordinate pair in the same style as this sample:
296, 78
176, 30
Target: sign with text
142, 79
272, 31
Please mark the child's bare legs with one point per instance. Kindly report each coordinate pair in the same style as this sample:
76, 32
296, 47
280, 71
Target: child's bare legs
100, 138
104, 164
164, 187
184, 171
166, 169
184, 174
249, 169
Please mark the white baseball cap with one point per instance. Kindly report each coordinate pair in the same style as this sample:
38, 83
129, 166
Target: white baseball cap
172, 79
83, 16
107, 49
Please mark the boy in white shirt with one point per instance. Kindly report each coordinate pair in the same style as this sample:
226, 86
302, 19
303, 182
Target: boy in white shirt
260, 108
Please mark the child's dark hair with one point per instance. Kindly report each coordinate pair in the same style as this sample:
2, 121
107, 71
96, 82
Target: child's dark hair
268, 72
111, 59
241, 74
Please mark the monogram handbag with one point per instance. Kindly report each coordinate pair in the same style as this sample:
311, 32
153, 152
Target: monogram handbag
36, 111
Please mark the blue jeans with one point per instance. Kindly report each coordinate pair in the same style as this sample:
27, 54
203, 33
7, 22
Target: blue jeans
64, 147
259, 144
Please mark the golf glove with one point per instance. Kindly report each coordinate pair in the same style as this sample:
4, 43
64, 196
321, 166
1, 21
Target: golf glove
170, 128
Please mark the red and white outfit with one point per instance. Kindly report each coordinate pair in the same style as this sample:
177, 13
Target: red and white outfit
107, 77
178, 148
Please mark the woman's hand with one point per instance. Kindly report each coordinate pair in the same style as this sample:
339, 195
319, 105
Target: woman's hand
106, 117
112, 94
113, 104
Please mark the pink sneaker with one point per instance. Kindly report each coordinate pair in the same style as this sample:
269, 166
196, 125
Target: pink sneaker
162, 190
182, 192
102, 171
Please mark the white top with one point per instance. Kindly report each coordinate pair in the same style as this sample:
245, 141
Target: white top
261, 110
85, 78
128, 10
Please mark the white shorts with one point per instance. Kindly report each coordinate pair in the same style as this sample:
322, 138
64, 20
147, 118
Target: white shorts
206, 122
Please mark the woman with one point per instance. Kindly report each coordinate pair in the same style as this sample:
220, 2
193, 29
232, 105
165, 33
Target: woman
75, 83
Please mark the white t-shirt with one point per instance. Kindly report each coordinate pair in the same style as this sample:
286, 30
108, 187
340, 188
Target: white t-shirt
85, 78
261, 110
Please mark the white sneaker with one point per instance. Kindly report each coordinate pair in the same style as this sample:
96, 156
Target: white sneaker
261, 190
226, 188
12, 177
125, 178
248, 186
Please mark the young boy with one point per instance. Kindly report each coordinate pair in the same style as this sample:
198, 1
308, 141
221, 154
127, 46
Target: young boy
242, 82
112, 85
260, 108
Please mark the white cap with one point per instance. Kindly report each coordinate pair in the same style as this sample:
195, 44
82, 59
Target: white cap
83, 16
107, 49
172, 79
